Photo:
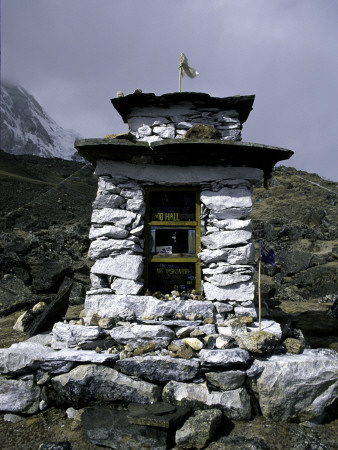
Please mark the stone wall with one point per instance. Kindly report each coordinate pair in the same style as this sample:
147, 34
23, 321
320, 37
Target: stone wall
156, 123
117, 234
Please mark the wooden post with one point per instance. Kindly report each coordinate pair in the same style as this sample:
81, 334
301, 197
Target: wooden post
259, 295
180, 77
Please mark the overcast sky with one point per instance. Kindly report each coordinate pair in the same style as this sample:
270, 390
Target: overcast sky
74, 55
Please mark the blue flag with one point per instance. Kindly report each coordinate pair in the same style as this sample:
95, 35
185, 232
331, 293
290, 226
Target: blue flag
267, 254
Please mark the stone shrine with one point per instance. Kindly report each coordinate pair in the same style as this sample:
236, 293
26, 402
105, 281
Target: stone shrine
169, 331
171, 212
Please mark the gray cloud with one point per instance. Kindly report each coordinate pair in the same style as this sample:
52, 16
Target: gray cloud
73, 55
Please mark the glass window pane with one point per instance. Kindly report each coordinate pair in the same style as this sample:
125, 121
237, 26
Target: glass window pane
169, 240
172, 206
165, 277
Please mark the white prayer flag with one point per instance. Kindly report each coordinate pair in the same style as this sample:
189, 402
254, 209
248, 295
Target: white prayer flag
184, 67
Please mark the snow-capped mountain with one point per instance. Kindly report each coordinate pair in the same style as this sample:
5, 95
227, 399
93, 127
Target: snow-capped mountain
27, 129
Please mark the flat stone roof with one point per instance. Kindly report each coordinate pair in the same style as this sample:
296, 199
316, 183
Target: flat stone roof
125, 105
184, 152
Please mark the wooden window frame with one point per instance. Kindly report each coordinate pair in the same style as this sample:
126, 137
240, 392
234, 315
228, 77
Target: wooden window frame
195, 224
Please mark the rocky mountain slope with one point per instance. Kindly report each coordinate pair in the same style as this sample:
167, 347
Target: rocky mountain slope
27, 129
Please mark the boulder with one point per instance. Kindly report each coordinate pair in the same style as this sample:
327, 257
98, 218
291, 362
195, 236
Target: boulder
117, 217
224, 358
235, 403
124, 286
109, 231
228, 380
108, 201
220, 239
144, 307
14, 295
19, 396
66, 336
139, 335
123, 266
240, 292
24, 357
261, 342
109, 427
226, 279
103, 384
50, 274
267, 325
158, 368
199, 429
294, 261
100, 248
294, 345
161, 415
235, 255
226, 198
297, 388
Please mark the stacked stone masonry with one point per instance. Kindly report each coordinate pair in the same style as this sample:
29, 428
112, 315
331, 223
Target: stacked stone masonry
227, 253
155, 123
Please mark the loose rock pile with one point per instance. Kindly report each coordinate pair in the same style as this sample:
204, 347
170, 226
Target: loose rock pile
189, 365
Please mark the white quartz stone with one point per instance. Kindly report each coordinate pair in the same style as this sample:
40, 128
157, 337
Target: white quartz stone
226, 198
237, 255
223, 307
221, 239
132, 193
135, 204
108, 201
150, 139
115, 216
107, 231
124, 286
230, 213
123, 266
101, 248
236, 292
67, 336
227, 279
138, 231
106, 186
246, 311
222, 267
165, 132
233, 224
144, 130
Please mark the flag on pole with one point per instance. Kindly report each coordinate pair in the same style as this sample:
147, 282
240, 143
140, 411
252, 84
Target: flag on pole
267, 254
184, 67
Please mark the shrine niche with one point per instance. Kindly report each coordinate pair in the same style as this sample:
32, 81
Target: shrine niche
172, 239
